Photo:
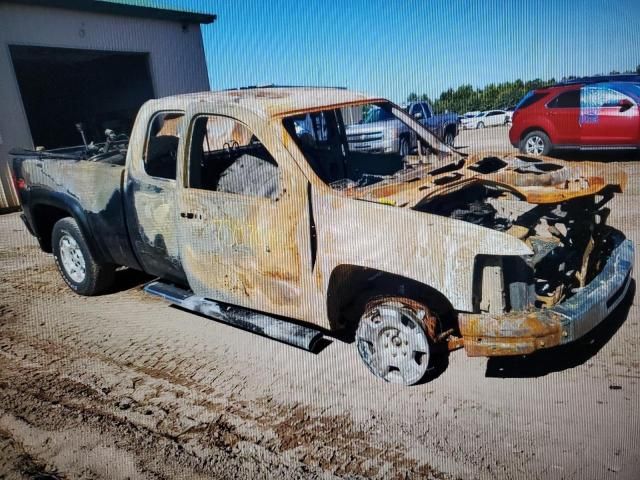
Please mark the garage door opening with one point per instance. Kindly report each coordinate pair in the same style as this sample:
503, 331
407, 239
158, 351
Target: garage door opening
61, 87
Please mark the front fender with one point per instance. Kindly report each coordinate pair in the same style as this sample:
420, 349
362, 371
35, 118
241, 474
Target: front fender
433, 250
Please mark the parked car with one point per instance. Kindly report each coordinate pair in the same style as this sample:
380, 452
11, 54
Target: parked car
379, 131
444, 125
470, 114
509, 113
587, 115
490, 118
250, 207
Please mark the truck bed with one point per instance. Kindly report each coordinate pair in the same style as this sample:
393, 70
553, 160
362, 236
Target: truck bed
92, 189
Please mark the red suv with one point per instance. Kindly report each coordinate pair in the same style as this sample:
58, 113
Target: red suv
585, 115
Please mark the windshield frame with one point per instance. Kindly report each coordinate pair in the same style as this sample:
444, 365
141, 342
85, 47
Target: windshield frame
432, 145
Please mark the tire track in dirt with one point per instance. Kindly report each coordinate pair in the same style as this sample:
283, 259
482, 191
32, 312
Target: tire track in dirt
146, 377
106, 387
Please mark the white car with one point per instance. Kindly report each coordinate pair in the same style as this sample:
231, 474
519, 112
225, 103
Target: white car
469, 115
490, 118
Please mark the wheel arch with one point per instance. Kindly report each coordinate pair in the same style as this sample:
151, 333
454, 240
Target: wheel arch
528, 130
47, 211
450, 127
352, 286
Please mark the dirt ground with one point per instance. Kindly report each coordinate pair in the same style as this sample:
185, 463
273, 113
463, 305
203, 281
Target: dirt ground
125, 386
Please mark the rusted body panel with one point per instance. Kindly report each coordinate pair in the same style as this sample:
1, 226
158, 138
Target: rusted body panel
519, 333
536, 180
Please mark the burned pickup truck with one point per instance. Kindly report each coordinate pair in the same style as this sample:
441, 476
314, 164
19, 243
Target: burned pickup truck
247, 217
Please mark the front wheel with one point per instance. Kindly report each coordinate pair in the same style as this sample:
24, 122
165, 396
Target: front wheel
480, 125
392, 340
403, 149
536, 143
75, 262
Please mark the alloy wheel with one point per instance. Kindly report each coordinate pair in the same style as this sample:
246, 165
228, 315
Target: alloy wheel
72, 259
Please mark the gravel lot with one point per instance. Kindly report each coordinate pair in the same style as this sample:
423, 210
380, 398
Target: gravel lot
124, 386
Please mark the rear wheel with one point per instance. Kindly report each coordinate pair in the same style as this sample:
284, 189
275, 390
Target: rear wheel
449, 138
536, 143
75, 262
392, 340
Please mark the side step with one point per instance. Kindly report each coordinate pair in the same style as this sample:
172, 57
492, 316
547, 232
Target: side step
287, 332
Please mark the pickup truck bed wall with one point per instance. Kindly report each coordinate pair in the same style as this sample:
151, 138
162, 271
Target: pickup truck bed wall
91, 191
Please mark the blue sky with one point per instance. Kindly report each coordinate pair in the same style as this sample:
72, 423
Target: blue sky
393, 47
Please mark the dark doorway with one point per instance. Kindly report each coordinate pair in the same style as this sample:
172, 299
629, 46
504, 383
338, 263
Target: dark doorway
63, 86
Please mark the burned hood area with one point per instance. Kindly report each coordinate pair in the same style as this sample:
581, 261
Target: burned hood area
557, 208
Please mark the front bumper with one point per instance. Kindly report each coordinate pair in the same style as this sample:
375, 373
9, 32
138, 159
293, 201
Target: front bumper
520, 333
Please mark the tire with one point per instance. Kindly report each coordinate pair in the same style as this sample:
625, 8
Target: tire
449, 138
536, 143
480, 125
403, 148
75, 262
392, 340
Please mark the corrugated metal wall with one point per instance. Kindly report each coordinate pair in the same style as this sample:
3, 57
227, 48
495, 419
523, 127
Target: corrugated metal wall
176, 58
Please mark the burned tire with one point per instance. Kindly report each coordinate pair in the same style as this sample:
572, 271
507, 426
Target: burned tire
75, 262
392, 340
536, 143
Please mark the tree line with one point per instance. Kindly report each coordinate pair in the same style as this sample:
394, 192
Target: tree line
503, 95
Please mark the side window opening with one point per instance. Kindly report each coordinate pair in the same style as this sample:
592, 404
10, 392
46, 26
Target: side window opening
161, 150
570, 99
225, 156
600, 97
324, 147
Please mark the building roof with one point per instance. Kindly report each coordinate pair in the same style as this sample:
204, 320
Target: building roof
130, 8
274, 101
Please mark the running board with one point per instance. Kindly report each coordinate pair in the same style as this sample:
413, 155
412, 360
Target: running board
256, 322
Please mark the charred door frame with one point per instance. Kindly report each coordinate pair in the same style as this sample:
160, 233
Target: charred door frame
301, 303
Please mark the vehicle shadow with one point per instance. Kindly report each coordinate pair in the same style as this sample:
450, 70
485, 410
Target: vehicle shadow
604, 156
563, 357
127, 278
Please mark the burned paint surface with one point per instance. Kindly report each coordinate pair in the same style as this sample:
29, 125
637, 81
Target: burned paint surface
523, 332
536, 180
278, 255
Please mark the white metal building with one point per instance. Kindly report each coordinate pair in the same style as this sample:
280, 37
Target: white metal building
94, 62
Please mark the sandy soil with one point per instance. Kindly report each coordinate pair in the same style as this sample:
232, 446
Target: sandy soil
125, 386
